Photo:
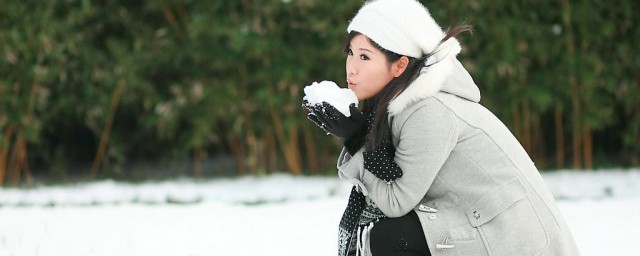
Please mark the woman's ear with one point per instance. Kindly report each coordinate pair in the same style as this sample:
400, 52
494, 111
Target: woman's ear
399, 66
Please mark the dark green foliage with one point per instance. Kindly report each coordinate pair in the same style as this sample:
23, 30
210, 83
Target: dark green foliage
206, 78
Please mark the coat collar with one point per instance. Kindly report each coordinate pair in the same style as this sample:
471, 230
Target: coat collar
431, 78
446, 74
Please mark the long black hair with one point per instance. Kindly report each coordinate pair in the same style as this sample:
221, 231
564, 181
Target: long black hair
380, 131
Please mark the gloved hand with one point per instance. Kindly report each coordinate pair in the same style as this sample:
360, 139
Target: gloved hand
336, 123
352, 130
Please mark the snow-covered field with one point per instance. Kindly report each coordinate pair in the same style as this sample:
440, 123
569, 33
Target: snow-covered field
274, 215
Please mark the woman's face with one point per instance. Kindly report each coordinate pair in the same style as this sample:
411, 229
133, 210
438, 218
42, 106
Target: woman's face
368, 70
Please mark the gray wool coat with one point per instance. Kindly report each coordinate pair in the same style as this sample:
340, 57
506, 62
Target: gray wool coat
473, 186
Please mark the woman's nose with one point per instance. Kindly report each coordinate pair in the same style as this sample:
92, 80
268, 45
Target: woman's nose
351, 68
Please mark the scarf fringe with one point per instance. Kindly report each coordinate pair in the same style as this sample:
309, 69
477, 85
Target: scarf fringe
364, 240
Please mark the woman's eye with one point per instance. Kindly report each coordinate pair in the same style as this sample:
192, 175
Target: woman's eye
364, 57
349, 52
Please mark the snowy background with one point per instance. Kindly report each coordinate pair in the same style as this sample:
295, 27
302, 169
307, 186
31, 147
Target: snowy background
273, 215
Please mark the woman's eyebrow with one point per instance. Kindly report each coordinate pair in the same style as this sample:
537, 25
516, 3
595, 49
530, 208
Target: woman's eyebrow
365, 49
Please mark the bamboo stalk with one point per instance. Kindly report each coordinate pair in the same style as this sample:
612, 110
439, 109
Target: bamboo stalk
173, 22
263, 154
10, 157
526, 124
19, 162
328, 159
16, 161
253, 152
182, 12
106, 132
25, 164
263, 158
588, 147
289, 154
577, 133
197, 162
237, 151
273, 149
573, 83
277, 126
11, 165
312, 155
294, 146
4, 152
538, 143
3, 146
635, 158
559, 139
515, 111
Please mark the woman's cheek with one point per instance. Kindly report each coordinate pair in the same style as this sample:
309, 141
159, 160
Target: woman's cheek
358, 94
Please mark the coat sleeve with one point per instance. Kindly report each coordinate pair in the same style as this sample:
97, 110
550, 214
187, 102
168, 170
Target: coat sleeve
424, 141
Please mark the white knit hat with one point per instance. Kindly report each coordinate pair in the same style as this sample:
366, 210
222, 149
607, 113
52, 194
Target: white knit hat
401, 26
406, 27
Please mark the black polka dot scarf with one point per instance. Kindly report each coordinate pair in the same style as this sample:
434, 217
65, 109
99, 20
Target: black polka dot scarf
359, 215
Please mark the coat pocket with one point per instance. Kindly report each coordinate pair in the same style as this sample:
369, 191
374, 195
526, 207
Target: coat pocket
508, 222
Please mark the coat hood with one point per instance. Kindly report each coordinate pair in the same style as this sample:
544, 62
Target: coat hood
447, 75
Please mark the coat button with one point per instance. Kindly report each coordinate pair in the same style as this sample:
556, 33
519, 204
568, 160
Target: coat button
432, 216
476, 215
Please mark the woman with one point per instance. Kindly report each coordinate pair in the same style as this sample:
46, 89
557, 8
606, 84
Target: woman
434, 172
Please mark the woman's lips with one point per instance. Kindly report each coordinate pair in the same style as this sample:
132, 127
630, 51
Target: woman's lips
351, 85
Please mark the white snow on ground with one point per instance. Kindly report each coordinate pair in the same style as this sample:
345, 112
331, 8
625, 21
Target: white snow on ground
274, 215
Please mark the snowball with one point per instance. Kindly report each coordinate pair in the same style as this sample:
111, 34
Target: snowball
329, 92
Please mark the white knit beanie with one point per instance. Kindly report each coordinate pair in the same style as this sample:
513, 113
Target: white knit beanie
401, 26
406, 27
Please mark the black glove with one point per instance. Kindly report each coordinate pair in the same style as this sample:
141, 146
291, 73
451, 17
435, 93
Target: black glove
352, 130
